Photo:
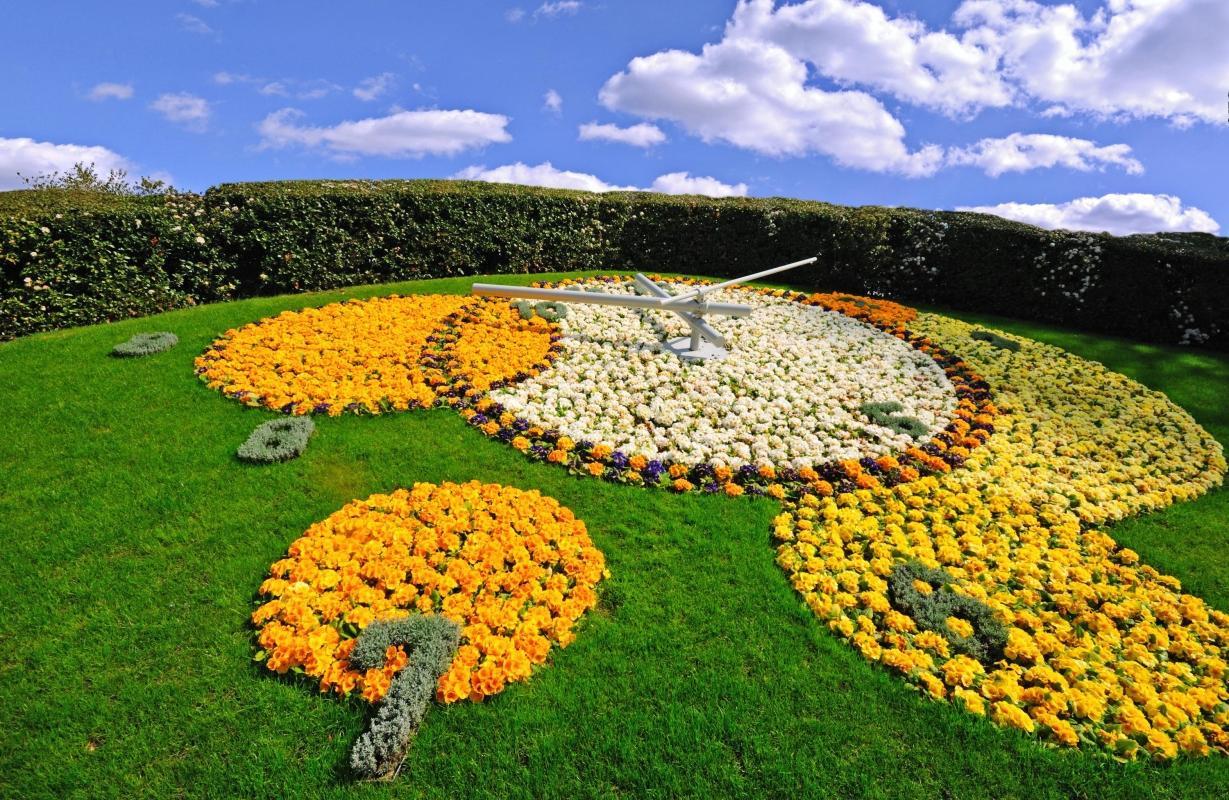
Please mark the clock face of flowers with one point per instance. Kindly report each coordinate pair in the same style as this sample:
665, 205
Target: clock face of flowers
793, 391
514, 569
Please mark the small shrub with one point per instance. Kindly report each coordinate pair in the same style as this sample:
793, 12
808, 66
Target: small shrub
931, 610
277, 440
144, 344
430, 642
887, 415
1001, 342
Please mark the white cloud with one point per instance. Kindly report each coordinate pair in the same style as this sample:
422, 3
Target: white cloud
554, 9
227, 78
1161, 58
186, 109
683, 183
371, 88
754, 95
1119, 214
545, 174
193, 24
552, 101
206, 3
1021, 152
857, 43
31, 159
401, 134
759, 87
514, 15
643, 134
111, 91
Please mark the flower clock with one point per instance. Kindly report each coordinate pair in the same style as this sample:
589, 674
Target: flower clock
944, 493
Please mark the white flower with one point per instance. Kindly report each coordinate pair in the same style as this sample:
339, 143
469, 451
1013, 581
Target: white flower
789, 393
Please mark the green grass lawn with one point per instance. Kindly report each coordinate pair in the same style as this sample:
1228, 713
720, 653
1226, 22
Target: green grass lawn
133, 543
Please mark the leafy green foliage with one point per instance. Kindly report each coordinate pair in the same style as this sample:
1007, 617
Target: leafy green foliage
144, 344
84, 177
430, 642
277, 440
888, 415
1001, 342
931, 610
71, 257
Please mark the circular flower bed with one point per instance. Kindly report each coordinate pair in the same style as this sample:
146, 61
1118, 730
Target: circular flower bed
806, 397
513, 568
370, 356
1099, 650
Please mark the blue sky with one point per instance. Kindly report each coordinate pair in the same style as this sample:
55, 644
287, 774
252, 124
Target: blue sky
1102, 114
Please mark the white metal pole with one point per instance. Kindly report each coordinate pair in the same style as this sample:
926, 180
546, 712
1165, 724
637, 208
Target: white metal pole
603, 299
703, 290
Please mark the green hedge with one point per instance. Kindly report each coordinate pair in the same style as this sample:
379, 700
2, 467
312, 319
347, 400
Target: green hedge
70, 258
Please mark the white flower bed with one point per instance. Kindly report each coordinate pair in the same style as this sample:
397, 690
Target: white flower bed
789, 393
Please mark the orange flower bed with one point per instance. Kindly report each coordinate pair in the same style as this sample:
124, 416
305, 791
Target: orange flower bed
372, 356
361, 355
513, 568
883, 313
488, 344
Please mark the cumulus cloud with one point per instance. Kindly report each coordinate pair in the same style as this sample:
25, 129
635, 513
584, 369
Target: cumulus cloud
857, 43
401, 134
1120, 214
111, 91
1021, 152
759, 88
684, 183
754, 95
643, 134
185, 109
1144, 58
371, 88
193, 24
546, 174
31, 158
552, 101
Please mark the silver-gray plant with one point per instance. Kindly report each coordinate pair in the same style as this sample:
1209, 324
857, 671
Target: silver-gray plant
144, 344
430, 641
277, 440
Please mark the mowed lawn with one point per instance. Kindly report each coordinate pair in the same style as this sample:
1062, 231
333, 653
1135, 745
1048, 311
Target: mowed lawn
132, 543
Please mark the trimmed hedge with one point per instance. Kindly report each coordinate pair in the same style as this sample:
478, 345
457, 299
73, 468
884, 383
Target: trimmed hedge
71, 258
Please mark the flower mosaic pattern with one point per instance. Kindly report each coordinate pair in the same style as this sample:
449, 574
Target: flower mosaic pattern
515, 569
788, 394
1102, 651
371, 356
970, 560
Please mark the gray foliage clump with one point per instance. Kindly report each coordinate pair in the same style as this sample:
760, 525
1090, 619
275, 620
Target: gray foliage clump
931, 611
431, 642
994, 340
277, 440
144, 344
549, 310
887, 415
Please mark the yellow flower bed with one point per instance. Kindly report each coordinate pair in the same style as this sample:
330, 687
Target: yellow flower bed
373, 356
513, 568
1102, 651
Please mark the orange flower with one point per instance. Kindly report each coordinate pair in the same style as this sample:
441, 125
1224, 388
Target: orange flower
513, 568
